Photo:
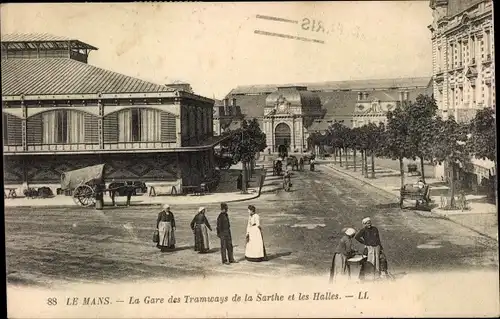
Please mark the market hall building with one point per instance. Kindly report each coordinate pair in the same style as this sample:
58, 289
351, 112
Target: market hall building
61, 113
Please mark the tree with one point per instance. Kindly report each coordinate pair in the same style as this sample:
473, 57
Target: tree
450, 147
357, 144
395, 138
316, 139
339, 138
374, 134
244, 144
482, 141
421, 115
363, 146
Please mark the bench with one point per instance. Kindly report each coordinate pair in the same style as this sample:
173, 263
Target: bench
153, 189
196, 190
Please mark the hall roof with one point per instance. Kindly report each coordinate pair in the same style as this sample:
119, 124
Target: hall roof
20, 41
251, 106
340, 104
55, 76
371, 84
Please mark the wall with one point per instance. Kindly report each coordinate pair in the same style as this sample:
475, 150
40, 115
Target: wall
46, 169
196, 123
100, 125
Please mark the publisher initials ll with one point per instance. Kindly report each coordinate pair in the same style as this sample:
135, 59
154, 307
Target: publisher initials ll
363, 295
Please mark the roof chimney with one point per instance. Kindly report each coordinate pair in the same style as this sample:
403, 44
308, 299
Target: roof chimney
360, 96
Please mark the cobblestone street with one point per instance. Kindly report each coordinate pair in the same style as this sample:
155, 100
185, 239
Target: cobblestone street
46, 246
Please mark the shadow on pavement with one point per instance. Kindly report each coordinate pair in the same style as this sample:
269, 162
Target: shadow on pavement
387, 206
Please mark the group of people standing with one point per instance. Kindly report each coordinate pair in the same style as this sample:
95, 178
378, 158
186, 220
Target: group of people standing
373, 262
254, 249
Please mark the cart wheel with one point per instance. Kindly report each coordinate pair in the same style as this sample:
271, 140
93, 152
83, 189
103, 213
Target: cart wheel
84, 195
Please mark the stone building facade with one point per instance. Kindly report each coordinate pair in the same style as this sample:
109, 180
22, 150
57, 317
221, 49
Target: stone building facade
463, 56
463, 64
288, 114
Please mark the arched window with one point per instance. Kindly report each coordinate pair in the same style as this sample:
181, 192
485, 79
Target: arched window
63, 127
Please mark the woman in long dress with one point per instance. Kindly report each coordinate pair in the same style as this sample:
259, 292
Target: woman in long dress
345, 250
254, 250
200, 227
166, 229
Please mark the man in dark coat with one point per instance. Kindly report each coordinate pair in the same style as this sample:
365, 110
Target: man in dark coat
224, 233
239, 182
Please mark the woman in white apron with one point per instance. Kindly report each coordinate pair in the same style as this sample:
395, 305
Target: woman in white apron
255, 250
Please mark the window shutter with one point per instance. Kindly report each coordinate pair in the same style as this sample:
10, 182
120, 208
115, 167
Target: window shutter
34, 129
15, 135
168, 127
91, 128
110, 127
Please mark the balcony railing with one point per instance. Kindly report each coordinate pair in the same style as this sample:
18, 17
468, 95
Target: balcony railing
86, 147
62, 147
139, 145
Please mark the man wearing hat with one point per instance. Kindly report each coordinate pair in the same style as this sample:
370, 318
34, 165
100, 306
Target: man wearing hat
369, 236
224, 233
200, 227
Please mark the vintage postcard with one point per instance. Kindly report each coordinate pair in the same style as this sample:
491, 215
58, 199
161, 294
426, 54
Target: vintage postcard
268, 159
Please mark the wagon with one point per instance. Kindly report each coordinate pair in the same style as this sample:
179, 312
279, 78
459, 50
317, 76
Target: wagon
87, 183
84, 183
419, 195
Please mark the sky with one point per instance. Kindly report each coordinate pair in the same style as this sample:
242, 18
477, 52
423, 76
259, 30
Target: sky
215, 47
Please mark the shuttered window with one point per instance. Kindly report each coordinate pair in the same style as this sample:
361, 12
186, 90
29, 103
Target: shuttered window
34, 128
91, 128
168, 127
12, 131
110, 127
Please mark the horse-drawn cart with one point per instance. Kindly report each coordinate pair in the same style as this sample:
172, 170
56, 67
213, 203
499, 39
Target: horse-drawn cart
87, 184
421, 195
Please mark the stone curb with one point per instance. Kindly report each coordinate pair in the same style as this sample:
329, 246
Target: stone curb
138, 204
466, 226
432, 212
361, 180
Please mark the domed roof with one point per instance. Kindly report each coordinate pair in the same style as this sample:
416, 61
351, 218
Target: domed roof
295, 96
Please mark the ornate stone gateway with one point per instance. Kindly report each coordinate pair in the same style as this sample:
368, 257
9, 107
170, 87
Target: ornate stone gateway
288, 113
282, 137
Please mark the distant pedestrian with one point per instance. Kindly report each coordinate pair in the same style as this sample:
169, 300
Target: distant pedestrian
239, 182
200, 227
369, 236
340, 268
129, 189
224, 233
255, 249
166, 229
